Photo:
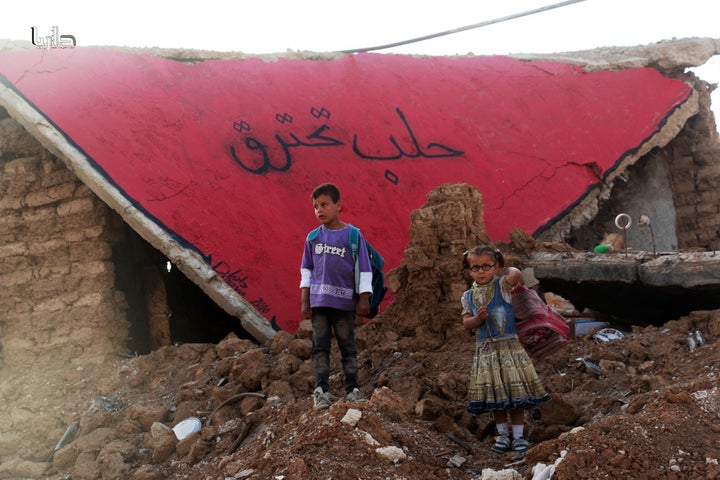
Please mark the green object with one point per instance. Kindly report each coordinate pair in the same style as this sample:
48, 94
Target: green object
603, 248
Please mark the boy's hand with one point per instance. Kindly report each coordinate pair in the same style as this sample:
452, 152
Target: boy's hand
305, 309
363, 304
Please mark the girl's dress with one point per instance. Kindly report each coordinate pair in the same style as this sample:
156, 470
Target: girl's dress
503, 376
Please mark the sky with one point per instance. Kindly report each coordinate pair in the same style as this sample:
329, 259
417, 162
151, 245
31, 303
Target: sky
276, 26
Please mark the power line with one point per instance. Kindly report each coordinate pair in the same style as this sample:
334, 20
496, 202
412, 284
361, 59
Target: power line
468, 27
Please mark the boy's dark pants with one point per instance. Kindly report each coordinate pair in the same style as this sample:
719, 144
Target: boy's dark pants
326, 320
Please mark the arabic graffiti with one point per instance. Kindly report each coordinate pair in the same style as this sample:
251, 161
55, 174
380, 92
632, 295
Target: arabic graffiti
259, 160
317, 139
445, 152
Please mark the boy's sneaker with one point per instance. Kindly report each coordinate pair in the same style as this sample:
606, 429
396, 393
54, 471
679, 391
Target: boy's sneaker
321, 399
356, 397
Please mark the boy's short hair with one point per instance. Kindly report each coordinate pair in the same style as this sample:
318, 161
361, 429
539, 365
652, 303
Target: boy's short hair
327, 189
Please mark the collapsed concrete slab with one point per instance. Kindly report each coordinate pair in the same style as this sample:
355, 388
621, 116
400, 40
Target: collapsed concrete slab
668, 169
190, 166
633, 288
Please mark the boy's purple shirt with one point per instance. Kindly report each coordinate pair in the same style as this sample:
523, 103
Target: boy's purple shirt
329, 258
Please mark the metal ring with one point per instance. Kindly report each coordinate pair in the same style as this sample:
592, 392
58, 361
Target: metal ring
621, 216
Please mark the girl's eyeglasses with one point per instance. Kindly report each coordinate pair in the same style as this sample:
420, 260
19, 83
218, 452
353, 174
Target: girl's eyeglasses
485, 267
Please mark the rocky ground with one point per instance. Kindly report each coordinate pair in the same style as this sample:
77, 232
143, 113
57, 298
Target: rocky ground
642, 406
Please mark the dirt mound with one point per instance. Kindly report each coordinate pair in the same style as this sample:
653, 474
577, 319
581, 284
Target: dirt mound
641, 406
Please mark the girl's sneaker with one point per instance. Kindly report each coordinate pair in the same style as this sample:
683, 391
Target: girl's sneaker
520, 445
502, 443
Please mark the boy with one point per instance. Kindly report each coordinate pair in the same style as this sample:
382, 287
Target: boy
328, 295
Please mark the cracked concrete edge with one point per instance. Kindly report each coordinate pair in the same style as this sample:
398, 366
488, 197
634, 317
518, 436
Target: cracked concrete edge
688, 270
187, 260
664, 55
587, 208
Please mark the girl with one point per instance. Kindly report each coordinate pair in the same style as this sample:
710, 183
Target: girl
503, 378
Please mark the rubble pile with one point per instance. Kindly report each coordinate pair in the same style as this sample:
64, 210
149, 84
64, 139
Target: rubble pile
644, 405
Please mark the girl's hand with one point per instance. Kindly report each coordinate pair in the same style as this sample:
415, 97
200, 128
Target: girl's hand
475, 321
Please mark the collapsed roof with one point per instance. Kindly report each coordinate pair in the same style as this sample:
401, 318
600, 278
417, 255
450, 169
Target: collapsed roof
212, 158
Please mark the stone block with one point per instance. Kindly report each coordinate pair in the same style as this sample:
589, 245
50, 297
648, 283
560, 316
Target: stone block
11, 203
50, 305
683, 186
39, 215
53, 246
13, 249
50, 195
74, 206
57, 177
88, 269
708, 220
87, 251
14, 279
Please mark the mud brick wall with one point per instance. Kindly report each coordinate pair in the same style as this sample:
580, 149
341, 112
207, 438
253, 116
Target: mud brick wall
58, 301
695, 178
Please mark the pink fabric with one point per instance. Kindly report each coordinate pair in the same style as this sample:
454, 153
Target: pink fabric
540, 329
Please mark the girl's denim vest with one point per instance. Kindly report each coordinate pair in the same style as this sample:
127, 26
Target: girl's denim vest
501, 318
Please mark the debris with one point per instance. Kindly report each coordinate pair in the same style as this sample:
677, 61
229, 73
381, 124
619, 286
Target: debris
159, 430
230, 400
590, 365
187, 427
67, 436
106, 404
603, 248
456, 461
352, 417
542, 471
467, 446
585, 327
528, 277
506, 474
607, 334
242, 434
612, 242
369, 439
392, 453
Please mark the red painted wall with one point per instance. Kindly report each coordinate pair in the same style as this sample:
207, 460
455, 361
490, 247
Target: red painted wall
224, 153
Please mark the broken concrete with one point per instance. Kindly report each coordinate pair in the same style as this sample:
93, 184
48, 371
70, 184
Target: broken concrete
637, 288
668, 55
